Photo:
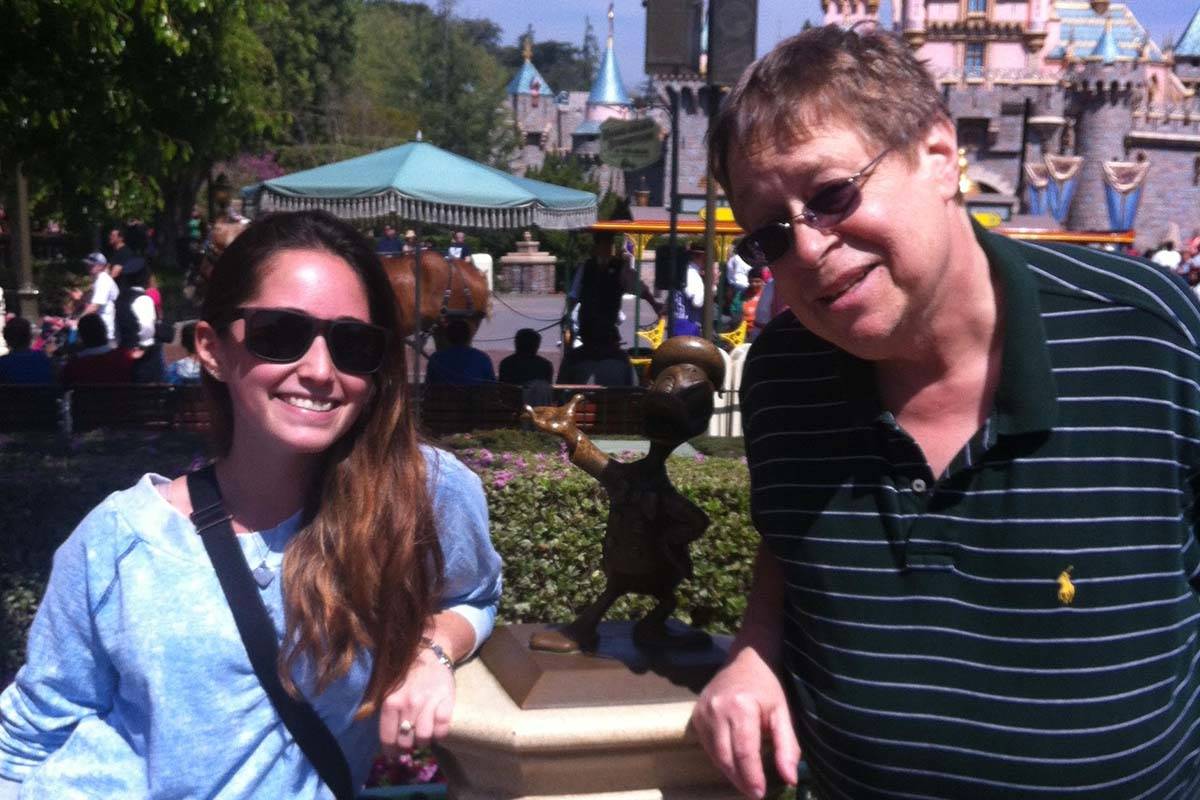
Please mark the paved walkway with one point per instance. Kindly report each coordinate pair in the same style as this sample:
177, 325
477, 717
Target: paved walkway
640, 446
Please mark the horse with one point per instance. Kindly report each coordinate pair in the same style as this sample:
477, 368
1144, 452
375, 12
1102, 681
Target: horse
449, 287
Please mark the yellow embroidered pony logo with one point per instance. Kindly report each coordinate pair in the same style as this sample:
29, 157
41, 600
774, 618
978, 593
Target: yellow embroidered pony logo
1066, 589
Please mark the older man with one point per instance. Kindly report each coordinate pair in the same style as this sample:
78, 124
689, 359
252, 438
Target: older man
974, 465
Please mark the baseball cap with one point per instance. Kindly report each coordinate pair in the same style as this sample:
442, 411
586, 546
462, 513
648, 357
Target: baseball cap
96, 258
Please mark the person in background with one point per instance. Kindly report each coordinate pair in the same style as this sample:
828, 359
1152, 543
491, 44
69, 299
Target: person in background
154, 294
599, 286
187, 369
389, 244
458, 247
410, 241
458, 362
745, 303
1167, 256
599, 361
688, 303
96, 360
122, 259
525, 365
369, 552
104, 293
23, 364
137, 328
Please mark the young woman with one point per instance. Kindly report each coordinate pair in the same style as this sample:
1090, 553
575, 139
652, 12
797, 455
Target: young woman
370, 552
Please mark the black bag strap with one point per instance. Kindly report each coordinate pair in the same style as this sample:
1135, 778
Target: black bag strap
258, 633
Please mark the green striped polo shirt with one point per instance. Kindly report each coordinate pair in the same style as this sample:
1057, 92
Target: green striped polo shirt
932, 645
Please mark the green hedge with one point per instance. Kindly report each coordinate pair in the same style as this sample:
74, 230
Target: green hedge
547, 521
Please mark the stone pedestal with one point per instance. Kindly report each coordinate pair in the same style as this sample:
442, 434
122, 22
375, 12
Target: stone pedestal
526, 271
611, 726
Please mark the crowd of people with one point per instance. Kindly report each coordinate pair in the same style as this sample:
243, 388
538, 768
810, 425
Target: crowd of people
112, 331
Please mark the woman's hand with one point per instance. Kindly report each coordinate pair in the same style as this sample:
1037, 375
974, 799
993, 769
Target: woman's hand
424, 699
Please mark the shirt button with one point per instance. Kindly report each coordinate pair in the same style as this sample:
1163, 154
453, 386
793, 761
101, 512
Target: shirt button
918, 485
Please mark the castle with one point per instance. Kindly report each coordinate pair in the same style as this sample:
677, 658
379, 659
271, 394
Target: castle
1064, 108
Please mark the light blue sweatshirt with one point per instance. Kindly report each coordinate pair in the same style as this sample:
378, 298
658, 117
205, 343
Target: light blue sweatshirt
136, 683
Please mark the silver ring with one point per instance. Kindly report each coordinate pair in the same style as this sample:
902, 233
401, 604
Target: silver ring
406, 727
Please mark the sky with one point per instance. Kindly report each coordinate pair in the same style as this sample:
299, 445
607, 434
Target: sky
563, 20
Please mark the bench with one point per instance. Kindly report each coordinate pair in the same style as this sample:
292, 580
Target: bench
122, 405
443, 408
447, 408
30, 407
613, 410
85, 407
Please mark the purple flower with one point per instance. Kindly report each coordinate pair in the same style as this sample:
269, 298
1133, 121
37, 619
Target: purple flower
502, 478
700, 458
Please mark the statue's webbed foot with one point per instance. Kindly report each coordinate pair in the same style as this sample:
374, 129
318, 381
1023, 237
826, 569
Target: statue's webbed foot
564, 640
652, 633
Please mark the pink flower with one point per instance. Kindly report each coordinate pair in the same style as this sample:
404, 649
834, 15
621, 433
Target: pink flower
502, 478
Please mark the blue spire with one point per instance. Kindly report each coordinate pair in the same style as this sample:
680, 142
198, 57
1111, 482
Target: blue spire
1188, 45
1106, 46
525, 79
608, 89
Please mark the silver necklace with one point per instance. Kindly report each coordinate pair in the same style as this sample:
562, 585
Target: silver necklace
263, 575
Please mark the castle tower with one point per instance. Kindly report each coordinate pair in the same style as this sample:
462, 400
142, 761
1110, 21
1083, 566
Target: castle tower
1187, 54
533, 109
1100, 99
606, 100
850, 12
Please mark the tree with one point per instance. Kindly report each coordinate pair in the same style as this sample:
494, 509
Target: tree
115, 102
312, 42
569, 171
417, 69
563, 65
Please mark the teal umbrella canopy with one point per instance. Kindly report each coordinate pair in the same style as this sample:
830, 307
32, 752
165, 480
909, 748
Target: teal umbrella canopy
419, 181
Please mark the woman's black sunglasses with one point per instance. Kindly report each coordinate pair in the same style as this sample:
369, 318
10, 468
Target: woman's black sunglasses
282, 336
832, 204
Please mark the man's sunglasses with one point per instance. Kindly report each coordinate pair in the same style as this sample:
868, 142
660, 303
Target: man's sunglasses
282, 336
832, 204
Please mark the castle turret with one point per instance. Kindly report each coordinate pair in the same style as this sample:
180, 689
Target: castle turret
850, 12
1100, 98
606, 100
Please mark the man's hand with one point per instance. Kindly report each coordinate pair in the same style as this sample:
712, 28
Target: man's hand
744, 700
424, 699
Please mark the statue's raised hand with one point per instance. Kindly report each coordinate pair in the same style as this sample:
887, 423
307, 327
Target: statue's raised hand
558, 420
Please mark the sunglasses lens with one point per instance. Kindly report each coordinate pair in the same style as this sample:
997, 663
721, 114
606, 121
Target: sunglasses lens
834, 203
279, 336
765, 245
357, 347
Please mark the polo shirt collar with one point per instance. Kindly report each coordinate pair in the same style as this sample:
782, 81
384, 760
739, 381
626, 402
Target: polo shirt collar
1026, 400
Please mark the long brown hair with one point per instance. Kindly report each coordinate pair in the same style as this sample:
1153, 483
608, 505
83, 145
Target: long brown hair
364, 572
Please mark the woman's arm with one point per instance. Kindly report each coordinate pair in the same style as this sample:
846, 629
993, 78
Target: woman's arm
67, 675
424, 697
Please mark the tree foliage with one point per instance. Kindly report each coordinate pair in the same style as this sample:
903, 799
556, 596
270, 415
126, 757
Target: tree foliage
120, 105
418, 69
564, 66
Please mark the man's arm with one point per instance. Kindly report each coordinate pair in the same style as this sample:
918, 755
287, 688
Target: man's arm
746, 698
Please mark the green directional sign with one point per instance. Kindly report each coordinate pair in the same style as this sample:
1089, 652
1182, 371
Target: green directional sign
630, 144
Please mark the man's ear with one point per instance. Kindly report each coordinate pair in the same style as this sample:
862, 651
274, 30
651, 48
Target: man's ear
208, 348
939, 151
